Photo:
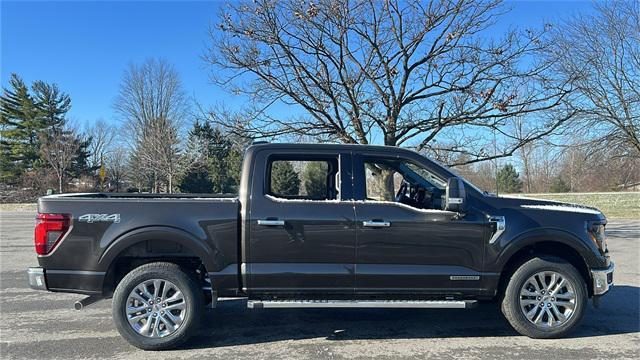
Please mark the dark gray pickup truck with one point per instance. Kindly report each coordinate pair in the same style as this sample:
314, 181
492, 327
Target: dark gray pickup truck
323, 226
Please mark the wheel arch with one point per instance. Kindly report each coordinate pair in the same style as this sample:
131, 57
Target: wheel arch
152, 244
543, 247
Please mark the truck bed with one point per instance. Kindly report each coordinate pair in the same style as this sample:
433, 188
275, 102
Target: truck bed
107, 227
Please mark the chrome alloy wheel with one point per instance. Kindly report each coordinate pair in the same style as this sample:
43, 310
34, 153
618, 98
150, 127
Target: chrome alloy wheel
548, 299
156, 308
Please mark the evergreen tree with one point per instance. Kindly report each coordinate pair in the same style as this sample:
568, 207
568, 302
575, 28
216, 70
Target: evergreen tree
52, 104
284, 179
315, 179
509, 180
80, 165
208, 147
196, 180
24, 117
19, 127
559, 186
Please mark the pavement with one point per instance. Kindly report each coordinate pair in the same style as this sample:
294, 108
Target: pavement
42, 325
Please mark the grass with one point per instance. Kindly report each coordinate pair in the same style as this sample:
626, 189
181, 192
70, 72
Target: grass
614, 205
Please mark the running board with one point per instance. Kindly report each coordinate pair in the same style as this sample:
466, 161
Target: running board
429, 304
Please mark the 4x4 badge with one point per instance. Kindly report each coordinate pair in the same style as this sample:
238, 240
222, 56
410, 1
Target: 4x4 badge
92, 218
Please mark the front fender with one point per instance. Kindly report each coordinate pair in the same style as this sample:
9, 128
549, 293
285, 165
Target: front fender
184, 238
506, 248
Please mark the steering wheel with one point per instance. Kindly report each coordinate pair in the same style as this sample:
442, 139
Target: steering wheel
402, 191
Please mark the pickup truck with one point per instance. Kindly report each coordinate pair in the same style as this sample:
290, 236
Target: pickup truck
323, 225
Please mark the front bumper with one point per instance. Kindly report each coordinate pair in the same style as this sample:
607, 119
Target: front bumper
37, 280
602, 279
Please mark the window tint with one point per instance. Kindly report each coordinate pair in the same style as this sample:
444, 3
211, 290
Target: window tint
304, 179
403, 181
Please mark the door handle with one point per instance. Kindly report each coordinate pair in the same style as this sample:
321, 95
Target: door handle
271, 222
373, 223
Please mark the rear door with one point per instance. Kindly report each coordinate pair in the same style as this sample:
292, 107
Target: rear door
302, 224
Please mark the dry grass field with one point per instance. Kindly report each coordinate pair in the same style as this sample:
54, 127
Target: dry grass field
614, 205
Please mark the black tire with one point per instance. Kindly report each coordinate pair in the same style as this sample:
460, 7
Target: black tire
193, 298
511, 300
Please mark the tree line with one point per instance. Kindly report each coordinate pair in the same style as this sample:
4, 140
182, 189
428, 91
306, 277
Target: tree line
42, 149
548, 108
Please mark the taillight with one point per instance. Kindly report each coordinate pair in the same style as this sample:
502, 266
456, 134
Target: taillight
50, 228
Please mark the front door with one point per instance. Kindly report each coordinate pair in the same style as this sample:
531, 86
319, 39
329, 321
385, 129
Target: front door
406, 244
302, 234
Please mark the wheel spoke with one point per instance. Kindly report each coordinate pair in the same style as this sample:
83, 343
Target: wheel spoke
135, 309
534, 282
558, 287
531, 313
566, 296
539, 317
168, 324
559, 315
175, 297
145, 291
156, 288
550, 318
552, 282
177, 306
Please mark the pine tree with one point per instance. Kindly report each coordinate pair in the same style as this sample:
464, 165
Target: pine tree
210, 148
52, 104
559, 186
509, 180
284, 179
19, 127
315, 179
196, 180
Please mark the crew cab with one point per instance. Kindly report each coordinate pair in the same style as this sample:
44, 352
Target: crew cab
323, 225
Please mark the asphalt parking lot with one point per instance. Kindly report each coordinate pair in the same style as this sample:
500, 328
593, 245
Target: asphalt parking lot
38, 325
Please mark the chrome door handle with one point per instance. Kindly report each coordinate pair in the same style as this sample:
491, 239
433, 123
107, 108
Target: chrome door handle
376, 223
271, 222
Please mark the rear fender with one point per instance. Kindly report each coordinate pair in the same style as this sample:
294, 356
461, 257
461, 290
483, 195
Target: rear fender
185, 239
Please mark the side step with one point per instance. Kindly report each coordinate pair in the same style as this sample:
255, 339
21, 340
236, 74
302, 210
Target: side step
429, 304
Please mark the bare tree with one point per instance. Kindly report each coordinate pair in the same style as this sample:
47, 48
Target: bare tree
396, 72
600, 54
102, 136
153, 104
59, 147
116, 167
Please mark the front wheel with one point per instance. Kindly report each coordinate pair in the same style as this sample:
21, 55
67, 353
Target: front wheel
545, 298
157, 306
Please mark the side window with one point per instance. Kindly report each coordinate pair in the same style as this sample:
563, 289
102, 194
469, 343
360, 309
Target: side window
382, 181
312, 179
404, 182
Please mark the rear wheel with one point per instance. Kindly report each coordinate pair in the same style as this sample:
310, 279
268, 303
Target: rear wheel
545, 298
157, 306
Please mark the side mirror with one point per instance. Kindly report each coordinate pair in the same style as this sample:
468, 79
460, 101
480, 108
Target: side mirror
456, 197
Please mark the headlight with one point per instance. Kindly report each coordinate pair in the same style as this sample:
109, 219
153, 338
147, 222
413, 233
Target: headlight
597, 234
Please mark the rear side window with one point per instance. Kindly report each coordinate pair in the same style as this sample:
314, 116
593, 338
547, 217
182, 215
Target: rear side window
304, 179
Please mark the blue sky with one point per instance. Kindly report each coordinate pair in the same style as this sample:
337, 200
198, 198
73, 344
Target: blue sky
84, 46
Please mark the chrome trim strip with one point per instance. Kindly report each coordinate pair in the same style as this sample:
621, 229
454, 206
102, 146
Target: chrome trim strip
76, 272
271, 222
376, 223
464, 277
501, 225
433, 304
